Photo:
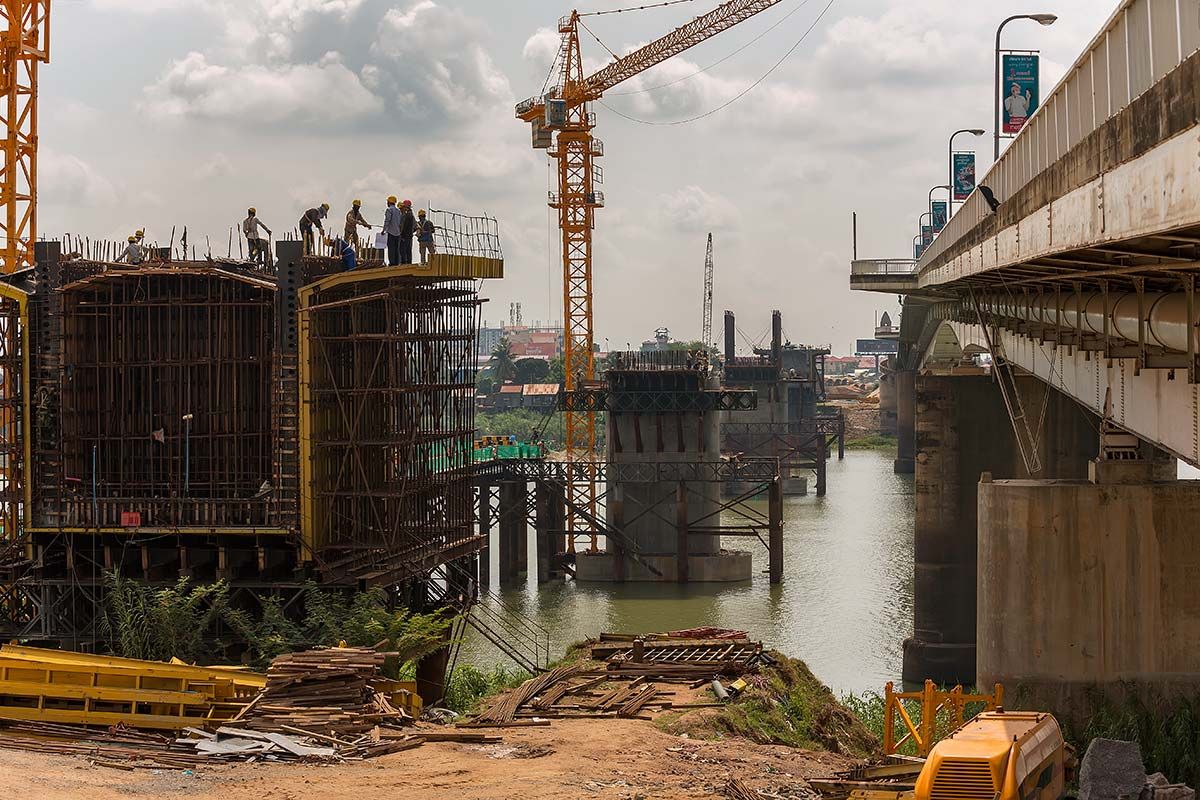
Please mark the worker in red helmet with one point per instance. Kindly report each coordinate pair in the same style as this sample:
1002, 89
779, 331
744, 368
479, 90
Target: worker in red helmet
408, 228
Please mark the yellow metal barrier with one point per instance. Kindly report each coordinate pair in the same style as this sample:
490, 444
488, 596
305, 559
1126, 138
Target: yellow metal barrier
924, 732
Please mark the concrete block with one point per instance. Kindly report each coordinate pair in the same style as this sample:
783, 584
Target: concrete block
1111, 770
1159, 788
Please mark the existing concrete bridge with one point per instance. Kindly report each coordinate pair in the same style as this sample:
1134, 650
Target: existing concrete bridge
1055, 548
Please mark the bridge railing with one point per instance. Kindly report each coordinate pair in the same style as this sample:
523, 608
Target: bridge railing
883, 266
1142, 42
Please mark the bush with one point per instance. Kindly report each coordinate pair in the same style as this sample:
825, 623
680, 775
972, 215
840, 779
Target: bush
469, 686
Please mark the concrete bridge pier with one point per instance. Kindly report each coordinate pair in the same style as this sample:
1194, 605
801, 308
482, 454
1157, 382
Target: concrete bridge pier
1089, 591
514, 532
905, 381
962, 430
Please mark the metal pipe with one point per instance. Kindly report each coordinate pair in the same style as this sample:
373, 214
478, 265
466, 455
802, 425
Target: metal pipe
1166, 314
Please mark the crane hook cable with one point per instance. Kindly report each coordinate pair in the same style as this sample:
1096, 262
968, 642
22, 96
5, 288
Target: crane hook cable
739, 95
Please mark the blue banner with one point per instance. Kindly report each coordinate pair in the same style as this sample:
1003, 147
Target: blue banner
1019, 96
926, 236
940, 215
916, 251
964, 175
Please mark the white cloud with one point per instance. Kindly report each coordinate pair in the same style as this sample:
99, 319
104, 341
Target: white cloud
693, 210
218, 166
68, 180
325, 92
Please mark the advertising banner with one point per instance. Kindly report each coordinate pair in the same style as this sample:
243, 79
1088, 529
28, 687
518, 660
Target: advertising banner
1018, 90
926, 236
940, 215
964, 175
876, 347
917, 251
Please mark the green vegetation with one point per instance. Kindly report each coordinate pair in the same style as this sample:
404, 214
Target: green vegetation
530, 426
200, 624
876, 441
469, 686
1168, 732
785, 704
869, 708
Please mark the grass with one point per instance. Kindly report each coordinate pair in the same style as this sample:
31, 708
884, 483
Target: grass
469, 686
876, 441
785, 704
869, 708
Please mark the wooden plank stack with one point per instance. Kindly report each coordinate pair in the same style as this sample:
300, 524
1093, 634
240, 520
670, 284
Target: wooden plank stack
327, 691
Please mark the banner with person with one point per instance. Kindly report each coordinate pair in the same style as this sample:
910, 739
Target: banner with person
940, 214
1019, 96
926, 236
964, 175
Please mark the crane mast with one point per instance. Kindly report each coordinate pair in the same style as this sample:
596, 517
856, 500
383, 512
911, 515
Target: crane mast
706, 328
25, 43
562, 123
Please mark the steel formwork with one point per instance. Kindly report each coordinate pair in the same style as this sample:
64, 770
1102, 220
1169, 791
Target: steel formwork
387, 378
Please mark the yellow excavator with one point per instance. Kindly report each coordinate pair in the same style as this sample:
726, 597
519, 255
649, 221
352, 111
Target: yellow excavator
998, 755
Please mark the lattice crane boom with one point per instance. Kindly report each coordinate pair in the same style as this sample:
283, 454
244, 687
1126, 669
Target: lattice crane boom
24, 44
706, 328
562, 124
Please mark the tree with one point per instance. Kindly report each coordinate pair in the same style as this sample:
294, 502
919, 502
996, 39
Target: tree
501, 364
532, 370
558, 370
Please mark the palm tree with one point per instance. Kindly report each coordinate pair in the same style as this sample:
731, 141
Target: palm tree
501, 363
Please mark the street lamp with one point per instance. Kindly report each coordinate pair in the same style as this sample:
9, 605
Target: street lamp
973, 132
1041, 19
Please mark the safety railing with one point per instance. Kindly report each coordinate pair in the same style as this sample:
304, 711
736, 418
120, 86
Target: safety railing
941, 712
883, 266
1142, 42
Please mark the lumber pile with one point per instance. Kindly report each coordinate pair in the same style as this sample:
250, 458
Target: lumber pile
330, 691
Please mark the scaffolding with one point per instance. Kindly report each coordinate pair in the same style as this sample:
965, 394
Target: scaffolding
388, 378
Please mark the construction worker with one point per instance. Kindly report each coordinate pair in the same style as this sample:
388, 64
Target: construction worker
133, 254
392, 227
312, 217
408, 227
354, 218
255, 247
425, 229
345, 251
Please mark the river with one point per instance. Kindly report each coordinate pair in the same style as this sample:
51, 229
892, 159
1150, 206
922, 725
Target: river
845, 605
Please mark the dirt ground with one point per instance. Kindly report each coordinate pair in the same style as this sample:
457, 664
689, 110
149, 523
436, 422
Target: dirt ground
610, 759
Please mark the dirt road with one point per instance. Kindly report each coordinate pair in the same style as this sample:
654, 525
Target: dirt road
607, 759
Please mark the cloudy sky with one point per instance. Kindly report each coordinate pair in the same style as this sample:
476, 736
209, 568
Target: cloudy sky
171, 112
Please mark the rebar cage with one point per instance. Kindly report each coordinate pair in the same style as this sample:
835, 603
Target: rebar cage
12, 421
388, 384
166, 401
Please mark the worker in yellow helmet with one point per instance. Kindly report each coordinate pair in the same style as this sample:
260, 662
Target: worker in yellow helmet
354, 218
133, 254
312, 217
391, 226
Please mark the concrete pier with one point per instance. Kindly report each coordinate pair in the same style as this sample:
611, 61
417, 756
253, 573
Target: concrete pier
962, 431
1089, 590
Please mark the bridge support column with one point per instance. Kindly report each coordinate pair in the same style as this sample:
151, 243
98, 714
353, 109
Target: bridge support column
485, 530
1087, 590
962, 431
513, 531
906, 409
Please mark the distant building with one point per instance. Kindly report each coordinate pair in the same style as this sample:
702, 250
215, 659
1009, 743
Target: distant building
526, 341
540, 396
510, 396
662, 341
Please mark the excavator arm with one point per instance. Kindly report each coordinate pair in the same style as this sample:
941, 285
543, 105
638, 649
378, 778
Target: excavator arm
684, 37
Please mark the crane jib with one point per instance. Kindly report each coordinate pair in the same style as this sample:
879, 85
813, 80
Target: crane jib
684, 37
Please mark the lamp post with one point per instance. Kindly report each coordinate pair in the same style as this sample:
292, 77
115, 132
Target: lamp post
973, 132
1041, 19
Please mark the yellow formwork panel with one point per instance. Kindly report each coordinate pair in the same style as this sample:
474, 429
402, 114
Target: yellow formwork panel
11, 688
244, 680
84, 717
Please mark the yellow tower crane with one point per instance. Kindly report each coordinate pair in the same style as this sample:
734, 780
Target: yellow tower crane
562, 123
26, 44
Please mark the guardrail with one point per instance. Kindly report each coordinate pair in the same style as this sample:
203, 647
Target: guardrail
883, 266
1142, 42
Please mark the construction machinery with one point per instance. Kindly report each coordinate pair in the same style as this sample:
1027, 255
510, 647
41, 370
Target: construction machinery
562, 123
998, 755
26, 44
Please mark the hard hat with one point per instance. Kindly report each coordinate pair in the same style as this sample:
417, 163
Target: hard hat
253, 210
407, 203
133, 238
140, 232
325, 206
392, 199
421, 213
357, 203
